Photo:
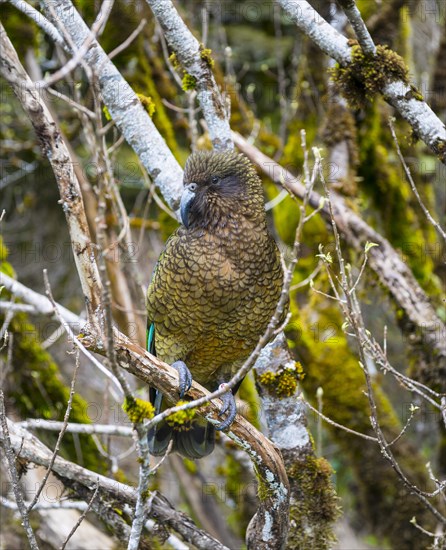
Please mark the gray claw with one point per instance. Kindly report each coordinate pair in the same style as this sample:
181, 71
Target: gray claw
184, 377
229, 407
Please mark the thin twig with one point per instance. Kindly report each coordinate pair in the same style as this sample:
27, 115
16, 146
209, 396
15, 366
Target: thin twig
72, 103
10, 457
81, 517
354, 317
335, 424
40, 20
428, 215
64, 71
63, 429
128, 40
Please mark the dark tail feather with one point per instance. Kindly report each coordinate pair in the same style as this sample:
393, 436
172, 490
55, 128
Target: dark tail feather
195, 443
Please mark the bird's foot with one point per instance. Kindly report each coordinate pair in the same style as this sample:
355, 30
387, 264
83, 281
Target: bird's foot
184, 377
229, 407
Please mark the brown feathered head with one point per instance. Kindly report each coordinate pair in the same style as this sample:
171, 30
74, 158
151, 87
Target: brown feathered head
219, 187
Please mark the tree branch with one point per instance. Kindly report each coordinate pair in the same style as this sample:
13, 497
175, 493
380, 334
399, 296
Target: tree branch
198, 64
125, 108
385, 261
55, 150
400, 95
29, 448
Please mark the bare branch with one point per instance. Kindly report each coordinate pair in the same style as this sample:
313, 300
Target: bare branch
60, 436
354, 16
398, 94
125, 108
54, 148
64, 71
10, 457
81, 518
196, 63
74, 427
29, 448
40, 21
428, 215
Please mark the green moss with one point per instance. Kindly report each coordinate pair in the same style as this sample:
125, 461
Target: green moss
366, 75
385, 187
181, 420
189, 82
330, 364
314, 502
138, 410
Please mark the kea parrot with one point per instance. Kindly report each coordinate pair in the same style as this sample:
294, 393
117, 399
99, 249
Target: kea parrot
214, 289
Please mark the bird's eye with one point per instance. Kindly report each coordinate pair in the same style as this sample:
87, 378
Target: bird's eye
215, 180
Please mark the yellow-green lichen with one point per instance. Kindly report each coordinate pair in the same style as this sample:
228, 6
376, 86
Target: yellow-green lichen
284, 382
189, 82
205, 54
181, 420
147, 103
174, 61
137, 409
366, 75
106, 113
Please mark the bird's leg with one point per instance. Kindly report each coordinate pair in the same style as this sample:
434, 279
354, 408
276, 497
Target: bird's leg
184, 377
229, 407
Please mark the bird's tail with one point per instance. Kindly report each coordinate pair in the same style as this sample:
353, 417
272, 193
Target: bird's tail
198, 441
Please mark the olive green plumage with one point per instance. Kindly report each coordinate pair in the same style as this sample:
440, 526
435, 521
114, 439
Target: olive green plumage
217, 283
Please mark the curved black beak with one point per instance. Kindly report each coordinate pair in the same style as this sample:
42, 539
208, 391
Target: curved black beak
186, 200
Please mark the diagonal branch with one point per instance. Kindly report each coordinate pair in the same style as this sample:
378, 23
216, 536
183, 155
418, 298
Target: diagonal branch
197, 62
30, 449
392, 271
125, 108
397, 93
55, 150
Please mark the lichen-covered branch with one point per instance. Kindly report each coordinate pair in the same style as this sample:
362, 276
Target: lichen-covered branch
268, 461
314, 506
125, 108
54, 148
197, 63
396, 91
271, 519
392, 271
30, 449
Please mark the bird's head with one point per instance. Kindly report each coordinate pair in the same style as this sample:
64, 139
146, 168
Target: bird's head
218, 186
